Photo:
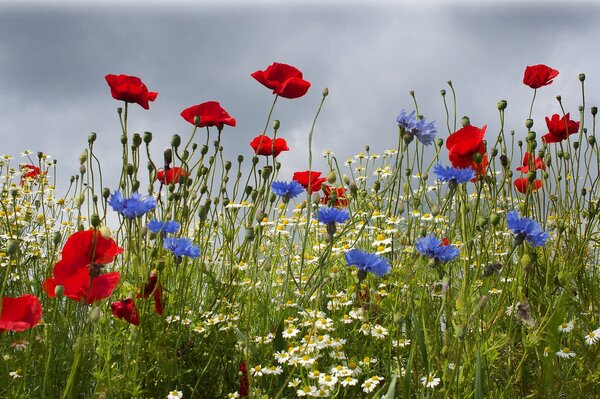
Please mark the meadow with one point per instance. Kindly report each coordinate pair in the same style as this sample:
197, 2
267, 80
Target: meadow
461, 264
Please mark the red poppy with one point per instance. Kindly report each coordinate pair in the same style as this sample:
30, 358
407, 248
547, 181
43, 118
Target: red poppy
130, 89
341, 199
285, 80
539, 75
303, 178
522, 185
263, 145
210, 114
559, 128
244, 382
445, 241
172, 175
464, 144
78, 270
153, 287
126, 309
20, 314
538, 163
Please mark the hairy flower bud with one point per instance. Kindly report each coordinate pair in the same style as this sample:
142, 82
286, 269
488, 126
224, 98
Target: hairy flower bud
276, 124
465, 121
501, 105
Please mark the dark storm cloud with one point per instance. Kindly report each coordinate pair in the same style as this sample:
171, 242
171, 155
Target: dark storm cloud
53, 61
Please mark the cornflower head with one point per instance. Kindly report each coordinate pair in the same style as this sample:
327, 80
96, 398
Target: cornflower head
453, 176
526, 229
132, 207
413, 126
331, 216
435, 249
181, 247
367, 262
166, 227
286, 190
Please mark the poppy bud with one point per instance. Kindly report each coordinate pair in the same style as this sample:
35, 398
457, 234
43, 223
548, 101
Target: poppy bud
211, 160
175, 140
331, 178
56, 238
129, 168
531, 176
400, 207
203, 149
566, 156
376, 185
477, 157
583, 192
95, 315
424, 176
105, 193
559, 98
137, 139
185, 155
315, 198
119, 110
582, 77
520, 143
80, 200
531, 136
592, 140
95, 220
135, 185
123, 139
168, 156
276, 124
443, 92
494, 152
465, 121
435, 210
346, 179
325, 92
59, 291
576, 144
528, 123
196, 120
147, 137
408, 137
439, 142
541, 154
92, 137
501, 105
533, 145
82, 169
353, 188
594, 110
482, 221
494, 219
266, 171
12, 247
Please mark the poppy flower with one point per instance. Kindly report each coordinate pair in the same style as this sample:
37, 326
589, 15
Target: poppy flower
130, 89
340, 193
210, 113
263, 145
538, 163
126, 310
522, 185
285, 80
244, 390
303, 178
153, 287
172, 175
464, 144
539, 75
29, 172
20, 314
559, 128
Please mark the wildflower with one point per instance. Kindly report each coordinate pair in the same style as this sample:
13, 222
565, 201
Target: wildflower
435, 249
263, 145
15, 374
175, 394
412, 126
565, 353
153, 287
453, 176
538, 163
130, 89
370, 384
332, 215
559, 128
29, 172
430, 381
285, 80
166, 227
466, 148
566, 327
210, 113
592, 337
366, 262
20, 314
172, 175
244, 390
132, 207
181, 247
349, 381
287, 190
311, 178
19, 345
522, 184
539, 75
526, 229
126, 309
337, 193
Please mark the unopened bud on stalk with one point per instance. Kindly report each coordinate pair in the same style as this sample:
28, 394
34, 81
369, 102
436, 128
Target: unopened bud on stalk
123, 139
95, 315
465, 121
95, 220
439, 142
582, 77
331, 178
566, 156
583, 192
12, 247
266, 171
494, 152
482, 221
92, 137
501, 105
528, 123
135, 185
80, 199
147, 137
408, 137
254, 160
204, 149
82, 169
559, 98
353, 188
315, 198
168, 156
477, 157
276, 124
494, 219
592, 140
424, 176
129, 168
176, 140
509, 173
346, 179
185, 155
137, 139
435, 210
227, 165
443, 92
376, 185
196, 120
594, 110
325, 92
59, 291
83, 157
105, 193
531, 136
576, 144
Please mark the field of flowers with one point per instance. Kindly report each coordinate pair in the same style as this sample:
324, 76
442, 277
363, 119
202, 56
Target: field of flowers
461, 264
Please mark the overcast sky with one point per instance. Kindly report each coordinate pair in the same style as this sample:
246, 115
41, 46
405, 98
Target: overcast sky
54, 56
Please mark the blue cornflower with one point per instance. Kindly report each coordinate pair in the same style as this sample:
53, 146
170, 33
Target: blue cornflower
367, 262
167, 227
331, 216
181, 247
131, 207
452, 175
425, 131
435, 249
287, 190
526, 229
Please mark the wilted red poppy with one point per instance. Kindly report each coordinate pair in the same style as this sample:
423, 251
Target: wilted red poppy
210, 114
464, 144
153, 287
172, 175
130, 89
263, 145
20, 314
539, 75
340, 194
285, 80
126, 310
244, 390
522, 185
559, 128
538, 163
303, 178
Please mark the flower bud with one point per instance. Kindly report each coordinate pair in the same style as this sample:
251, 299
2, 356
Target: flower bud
266, 171
147, 137
56, 238
315, 198
196, 120
494, 219
531, 136
582, 77
435, 210
137, 139
92, 137
325, 92
594, 110
12, 247
346, 179
331, 179
82, 169
175, 140
204, 149
465, 121
249, 236
59, 291
83, 157
501, 105
477, 157
482, 221
95, 220
494, 152
531, 175
576, 144
439, 142
95, 315
353, 188
443, 92
276, 124
528, 123
123, 139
